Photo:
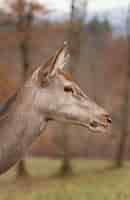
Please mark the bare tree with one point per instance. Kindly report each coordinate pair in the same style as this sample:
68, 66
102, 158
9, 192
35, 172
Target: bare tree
24, 12
77, 16
125, 105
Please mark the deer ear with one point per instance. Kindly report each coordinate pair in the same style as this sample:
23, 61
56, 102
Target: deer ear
55, 63
60, 60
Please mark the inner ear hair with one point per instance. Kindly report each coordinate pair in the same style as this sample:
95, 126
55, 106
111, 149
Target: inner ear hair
43, 75
43, 78
60, 59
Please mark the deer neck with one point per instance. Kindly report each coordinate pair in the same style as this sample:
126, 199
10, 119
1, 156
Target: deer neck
18, 129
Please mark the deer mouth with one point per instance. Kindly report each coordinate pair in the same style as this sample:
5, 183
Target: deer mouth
99, 126
96, 126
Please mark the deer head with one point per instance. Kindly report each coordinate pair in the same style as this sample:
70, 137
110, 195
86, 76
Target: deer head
61, 99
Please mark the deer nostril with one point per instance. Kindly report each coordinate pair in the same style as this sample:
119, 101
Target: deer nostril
106, 118
109, 120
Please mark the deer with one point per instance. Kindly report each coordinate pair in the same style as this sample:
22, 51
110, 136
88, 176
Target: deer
49, 94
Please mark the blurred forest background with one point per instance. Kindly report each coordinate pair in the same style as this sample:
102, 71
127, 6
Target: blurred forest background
30, 33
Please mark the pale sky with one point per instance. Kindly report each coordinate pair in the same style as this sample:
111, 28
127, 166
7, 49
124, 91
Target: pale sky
94, 5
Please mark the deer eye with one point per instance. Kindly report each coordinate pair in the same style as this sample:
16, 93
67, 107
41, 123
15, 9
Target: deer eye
68, 89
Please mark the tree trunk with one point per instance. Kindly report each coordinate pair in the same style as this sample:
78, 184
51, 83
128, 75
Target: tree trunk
124, 129
25, 27
74, 38
66, 168
21, 170
125, 112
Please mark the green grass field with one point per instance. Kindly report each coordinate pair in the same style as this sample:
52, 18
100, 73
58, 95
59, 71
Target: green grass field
91, 180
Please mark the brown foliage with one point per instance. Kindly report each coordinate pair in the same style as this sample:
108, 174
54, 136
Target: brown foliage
110, 85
